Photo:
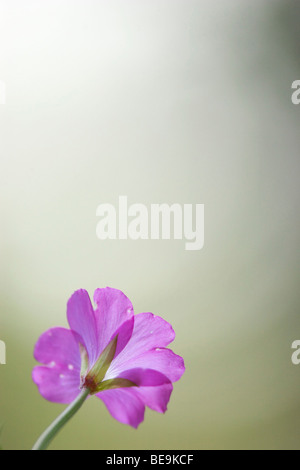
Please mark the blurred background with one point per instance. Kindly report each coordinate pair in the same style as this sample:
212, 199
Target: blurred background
163, 101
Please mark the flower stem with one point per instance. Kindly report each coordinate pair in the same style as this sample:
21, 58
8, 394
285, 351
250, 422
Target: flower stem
44, 440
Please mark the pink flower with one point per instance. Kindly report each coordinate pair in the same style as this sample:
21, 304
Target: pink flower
120, 357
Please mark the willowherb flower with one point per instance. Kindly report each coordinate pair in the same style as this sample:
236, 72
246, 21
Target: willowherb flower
118, 356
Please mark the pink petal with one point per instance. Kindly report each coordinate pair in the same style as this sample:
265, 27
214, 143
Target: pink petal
153, 388
160, 359
127, 405
156, 398
149, 332
57, 347
57, 385
123, 405
124, 333
82, 321
113, 310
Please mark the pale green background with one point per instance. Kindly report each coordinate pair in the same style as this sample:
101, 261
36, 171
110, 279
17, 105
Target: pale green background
163, 101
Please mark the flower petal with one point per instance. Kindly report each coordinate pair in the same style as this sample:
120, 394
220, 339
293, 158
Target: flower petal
149, 332
124, 333
160, 359
57, 347
156, 398
112, 311
153, 388
127, 405
82, 321
57, 385
123, 405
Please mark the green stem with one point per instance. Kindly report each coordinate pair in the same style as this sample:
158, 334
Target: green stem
47, 436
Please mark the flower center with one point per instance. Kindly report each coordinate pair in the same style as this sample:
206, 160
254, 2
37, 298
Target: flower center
93, 379
91, 384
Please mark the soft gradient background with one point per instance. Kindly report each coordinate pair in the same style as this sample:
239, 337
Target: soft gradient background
184, 101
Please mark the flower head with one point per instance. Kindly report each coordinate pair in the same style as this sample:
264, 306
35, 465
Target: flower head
119, 357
